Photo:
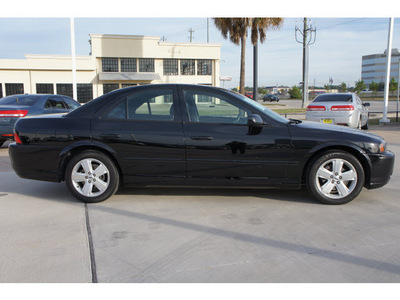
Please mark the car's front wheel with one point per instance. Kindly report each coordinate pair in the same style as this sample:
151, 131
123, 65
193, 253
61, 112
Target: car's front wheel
92, 177
335, 177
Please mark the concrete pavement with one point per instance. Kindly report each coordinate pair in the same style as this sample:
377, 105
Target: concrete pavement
198, 235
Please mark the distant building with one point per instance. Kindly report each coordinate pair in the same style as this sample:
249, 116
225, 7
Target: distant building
374, 67
282, 89
115, 61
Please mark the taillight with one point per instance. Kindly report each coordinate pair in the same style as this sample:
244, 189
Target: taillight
16, 138
342, 108
13, 113
316, 108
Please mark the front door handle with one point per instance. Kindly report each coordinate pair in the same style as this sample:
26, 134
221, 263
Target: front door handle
202, 138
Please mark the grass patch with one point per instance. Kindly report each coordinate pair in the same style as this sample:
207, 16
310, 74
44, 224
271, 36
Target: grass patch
289, 110
376, 121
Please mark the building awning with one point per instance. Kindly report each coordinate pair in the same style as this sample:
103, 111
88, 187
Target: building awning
121, 76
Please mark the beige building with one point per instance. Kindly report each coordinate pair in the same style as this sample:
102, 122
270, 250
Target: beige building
116, 61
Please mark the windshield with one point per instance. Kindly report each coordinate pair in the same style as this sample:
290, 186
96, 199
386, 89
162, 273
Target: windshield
334, 98
18, 100
258, 106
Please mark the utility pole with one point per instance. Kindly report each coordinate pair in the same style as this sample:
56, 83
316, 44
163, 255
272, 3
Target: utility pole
73, 57
208, 30
388, 64
255, 72
309, 35
191, 34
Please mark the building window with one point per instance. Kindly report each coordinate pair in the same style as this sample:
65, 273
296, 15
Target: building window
146, 64
170, 66
44, 88
14, 88
85, 92
110, 64
204, 67
128, 65
187, 66
109, 87
125, 85
64, 89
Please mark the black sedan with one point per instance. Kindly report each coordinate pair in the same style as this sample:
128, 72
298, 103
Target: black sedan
270, 98
186, 135
17, 106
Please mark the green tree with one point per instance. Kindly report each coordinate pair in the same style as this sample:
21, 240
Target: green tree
327, 87
295, 93
360, 85
236, 29
343, 87
374, 87
392, 86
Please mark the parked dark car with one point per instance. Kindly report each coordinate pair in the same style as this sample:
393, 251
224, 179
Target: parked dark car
189, 135
270, 98
17, 106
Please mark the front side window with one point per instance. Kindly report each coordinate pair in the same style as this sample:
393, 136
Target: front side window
148, 105
187, 66
206, 107
204, 67
110, 64
146, 65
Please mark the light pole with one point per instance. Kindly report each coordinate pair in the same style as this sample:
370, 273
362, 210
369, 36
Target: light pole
309, 34
388, 59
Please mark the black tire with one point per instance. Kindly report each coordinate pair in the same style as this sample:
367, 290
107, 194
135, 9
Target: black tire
88, 186
329, 186
365, 127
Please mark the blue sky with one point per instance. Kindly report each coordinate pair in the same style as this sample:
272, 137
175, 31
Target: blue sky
337, 52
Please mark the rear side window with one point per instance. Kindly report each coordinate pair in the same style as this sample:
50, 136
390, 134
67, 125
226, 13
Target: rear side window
71, 104
148, 105
24, 100
333, 98
55, 103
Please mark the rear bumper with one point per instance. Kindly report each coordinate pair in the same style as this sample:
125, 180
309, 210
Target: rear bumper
381, 169
344, 118
6, 132
34, 162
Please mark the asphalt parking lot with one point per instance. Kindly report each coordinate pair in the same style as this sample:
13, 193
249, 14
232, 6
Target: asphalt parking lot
198, 235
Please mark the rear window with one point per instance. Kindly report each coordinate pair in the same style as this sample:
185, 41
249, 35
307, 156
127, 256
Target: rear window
333, 98
24, 100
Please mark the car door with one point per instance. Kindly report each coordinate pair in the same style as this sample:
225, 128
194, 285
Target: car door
144, 129
362, 109
221, 149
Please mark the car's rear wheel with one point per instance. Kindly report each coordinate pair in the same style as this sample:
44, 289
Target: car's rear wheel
92, 177
365, 127
335, 177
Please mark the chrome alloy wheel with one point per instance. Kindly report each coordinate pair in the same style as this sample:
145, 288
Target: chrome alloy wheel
336, 178
90, 177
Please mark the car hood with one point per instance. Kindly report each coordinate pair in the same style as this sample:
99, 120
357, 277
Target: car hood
334, 131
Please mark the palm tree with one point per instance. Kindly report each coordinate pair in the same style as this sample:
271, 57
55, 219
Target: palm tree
237, 28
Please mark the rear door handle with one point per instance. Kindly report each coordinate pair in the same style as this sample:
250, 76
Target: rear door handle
110, 136
202, 138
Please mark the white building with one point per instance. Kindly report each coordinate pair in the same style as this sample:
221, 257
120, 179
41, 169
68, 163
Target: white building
116, 61
374, 67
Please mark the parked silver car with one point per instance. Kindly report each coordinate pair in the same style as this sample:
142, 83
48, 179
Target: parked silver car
341, 109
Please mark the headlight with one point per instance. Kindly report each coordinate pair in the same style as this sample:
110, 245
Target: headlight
375, 147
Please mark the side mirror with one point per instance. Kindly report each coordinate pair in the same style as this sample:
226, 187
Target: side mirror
367, 104
255, 121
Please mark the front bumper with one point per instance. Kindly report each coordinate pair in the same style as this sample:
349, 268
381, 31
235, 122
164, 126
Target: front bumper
382, 166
